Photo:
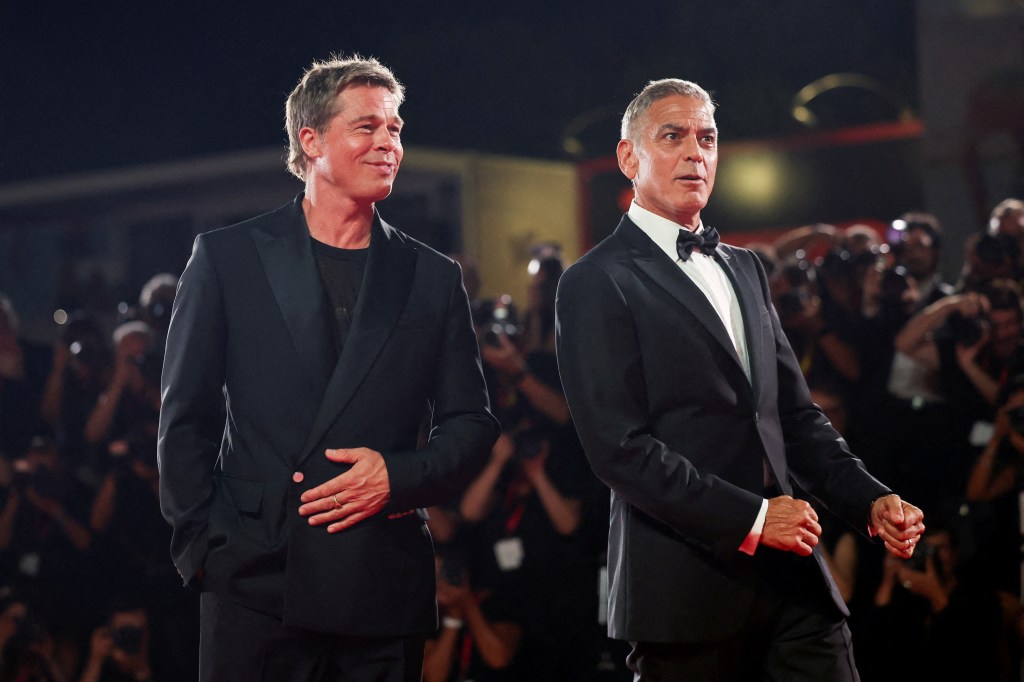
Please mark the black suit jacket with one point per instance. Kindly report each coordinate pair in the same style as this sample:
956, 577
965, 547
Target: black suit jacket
671, 423
249, 335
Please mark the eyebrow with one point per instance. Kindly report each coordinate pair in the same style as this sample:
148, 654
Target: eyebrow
676, 127
376, 117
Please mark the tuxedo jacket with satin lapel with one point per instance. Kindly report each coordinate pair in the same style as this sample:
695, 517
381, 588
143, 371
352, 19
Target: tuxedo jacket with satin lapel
671, 423
249, 335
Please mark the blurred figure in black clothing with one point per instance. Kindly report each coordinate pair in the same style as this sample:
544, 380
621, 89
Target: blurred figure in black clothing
481, 627
155, 301
80, 372
972, 341
119, 650
944, 609
536, 506
44, 539
915, 240
131, 402
23, 369
28, 650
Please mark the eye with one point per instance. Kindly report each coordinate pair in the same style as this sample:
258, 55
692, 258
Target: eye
671, 136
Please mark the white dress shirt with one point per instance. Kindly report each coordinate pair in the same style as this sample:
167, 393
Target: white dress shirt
714, 284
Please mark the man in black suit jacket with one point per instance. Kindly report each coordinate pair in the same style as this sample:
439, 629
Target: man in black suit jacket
692, 408
326, 338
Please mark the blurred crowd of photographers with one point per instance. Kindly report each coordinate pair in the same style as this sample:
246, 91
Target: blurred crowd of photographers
924, 377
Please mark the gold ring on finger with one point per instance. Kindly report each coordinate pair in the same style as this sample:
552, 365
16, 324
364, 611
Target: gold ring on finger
337, 505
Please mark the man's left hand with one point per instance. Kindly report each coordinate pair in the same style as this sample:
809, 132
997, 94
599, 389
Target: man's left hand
348, 498
899, 524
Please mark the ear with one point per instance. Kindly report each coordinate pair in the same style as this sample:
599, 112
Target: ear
626, 155
310, 141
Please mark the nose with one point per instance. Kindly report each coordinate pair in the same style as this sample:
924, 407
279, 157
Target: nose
692, 149
384, 140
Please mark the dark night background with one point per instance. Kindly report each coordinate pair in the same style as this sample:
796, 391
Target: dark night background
90, 86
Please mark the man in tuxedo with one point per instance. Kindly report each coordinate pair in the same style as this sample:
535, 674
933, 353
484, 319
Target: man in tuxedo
692, 409
307, 349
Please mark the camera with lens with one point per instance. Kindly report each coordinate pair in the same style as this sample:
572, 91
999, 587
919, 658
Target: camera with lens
791, 303
453, 566
29, 472
918, 561
83, 338
528, 443
136, 446
494, 318
894, 285
128, 638
150, 366
964, 330
1016, 416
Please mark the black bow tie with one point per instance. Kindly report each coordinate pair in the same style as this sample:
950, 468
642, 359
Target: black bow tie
706, 242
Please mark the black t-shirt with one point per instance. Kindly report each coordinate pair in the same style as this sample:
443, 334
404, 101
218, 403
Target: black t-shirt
341, 271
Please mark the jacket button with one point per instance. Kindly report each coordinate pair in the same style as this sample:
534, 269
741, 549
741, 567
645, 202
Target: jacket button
297, 477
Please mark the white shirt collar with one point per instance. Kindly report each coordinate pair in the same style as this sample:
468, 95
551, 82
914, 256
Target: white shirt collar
662, 231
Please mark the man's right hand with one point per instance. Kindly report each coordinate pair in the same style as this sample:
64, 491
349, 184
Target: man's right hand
791, 525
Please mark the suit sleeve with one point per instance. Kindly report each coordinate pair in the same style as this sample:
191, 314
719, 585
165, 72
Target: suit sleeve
818, 456
602, 366
192, 409
462, 428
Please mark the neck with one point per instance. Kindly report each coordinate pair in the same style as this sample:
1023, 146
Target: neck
338, 221
688, 221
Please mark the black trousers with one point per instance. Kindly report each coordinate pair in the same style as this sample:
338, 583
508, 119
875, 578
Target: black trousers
237, 644
792, 634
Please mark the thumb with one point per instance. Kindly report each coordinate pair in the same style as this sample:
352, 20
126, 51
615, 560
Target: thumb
894, 509
350, 456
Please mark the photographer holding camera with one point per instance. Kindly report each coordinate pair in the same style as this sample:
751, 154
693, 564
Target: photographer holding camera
970, 343
78, 375
119, 649
480, 627
529, 505
23, 368
28, 650
132, 400
977, 333
943, 606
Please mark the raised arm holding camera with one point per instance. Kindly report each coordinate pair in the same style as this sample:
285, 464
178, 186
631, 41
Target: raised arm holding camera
133, 396
119, 649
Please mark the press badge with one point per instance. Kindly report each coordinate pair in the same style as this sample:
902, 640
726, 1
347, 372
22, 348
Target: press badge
981, 433
509, 553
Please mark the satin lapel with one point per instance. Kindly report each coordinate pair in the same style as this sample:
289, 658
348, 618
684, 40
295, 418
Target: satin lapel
287, 257
653, 262
744, 288
390, 268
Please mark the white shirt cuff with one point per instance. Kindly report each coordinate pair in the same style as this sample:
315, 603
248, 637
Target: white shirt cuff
749, 545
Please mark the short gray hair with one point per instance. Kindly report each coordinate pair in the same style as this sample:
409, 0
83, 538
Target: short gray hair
314, 101
654, 91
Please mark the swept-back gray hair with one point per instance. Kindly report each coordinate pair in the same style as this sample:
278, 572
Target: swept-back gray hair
314, 101
654, 91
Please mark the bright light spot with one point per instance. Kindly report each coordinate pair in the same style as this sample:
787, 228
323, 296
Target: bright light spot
756, 181
534, 267
60, 316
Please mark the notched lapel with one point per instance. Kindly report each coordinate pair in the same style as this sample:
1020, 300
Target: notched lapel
287, 257
390, 269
